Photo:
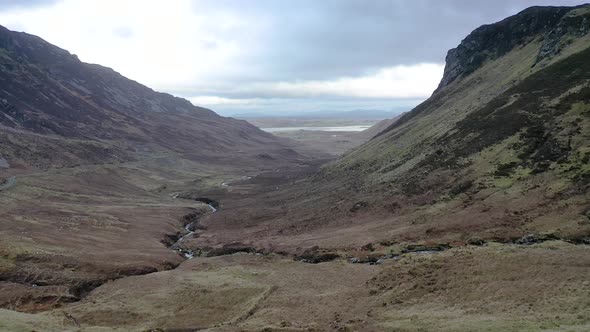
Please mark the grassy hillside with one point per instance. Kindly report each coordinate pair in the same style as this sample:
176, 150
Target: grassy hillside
510, 134
56, 111
499, 151
93, 161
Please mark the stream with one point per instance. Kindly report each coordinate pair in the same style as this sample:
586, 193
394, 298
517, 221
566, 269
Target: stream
190, 228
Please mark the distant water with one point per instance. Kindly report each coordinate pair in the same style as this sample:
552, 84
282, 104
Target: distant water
342, 128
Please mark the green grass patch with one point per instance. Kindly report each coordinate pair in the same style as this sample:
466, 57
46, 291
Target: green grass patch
503, 182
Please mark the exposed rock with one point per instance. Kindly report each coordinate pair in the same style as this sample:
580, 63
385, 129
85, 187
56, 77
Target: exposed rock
230, 249
196, 197
315, 255
368, 247
475, 241
264, 156
372, 259
575, 24
535, 238
490, 42
461, 187
358, 206
505, 169
425, 248
584, 240
4, 163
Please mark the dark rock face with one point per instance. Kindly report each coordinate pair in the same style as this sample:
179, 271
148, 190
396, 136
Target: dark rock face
492, 41
359, 206
535, 238
570, 25
230, 249
425, 248
315, 255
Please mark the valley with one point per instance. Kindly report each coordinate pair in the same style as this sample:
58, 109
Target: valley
126, 209
238, 285
332, 137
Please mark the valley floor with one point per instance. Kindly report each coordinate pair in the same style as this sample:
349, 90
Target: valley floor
328, 142
508, 288
140, 284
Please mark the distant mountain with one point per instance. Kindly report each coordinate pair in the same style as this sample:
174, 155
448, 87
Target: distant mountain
56, 111
340, 115
380, 126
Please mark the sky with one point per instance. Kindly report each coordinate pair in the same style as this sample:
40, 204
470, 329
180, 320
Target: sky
268, 57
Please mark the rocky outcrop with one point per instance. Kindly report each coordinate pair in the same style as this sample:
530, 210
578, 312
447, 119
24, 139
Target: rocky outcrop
574, 24
316, 255
492, 41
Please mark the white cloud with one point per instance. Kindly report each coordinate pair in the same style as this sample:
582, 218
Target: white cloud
157, 43
400, 82
210, 54
215, 100
415, 81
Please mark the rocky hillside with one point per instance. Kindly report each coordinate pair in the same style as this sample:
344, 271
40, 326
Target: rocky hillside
499, 151
502, 146
56, 111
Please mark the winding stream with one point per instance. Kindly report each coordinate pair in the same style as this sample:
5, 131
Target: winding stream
190, 228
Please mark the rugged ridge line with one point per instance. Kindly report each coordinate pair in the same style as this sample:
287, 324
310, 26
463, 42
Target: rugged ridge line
492, 41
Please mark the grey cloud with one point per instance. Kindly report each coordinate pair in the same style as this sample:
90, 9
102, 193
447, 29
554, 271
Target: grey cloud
302, 106
312, 39
324, 40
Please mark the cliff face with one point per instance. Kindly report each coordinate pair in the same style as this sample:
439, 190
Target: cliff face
492, 41
575, 24
82, 109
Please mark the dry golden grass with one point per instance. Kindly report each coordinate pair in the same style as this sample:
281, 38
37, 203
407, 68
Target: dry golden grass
490, 288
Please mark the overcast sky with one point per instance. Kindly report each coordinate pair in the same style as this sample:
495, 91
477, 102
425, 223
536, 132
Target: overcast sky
280, 56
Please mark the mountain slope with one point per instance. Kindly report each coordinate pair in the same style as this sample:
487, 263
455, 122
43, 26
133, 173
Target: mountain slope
509, 122
90, 166
499, 151
102, 115
380, 126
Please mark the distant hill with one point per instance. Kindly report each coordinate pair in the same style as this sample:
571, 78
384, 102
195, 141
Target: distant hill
341, 115
380, 126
